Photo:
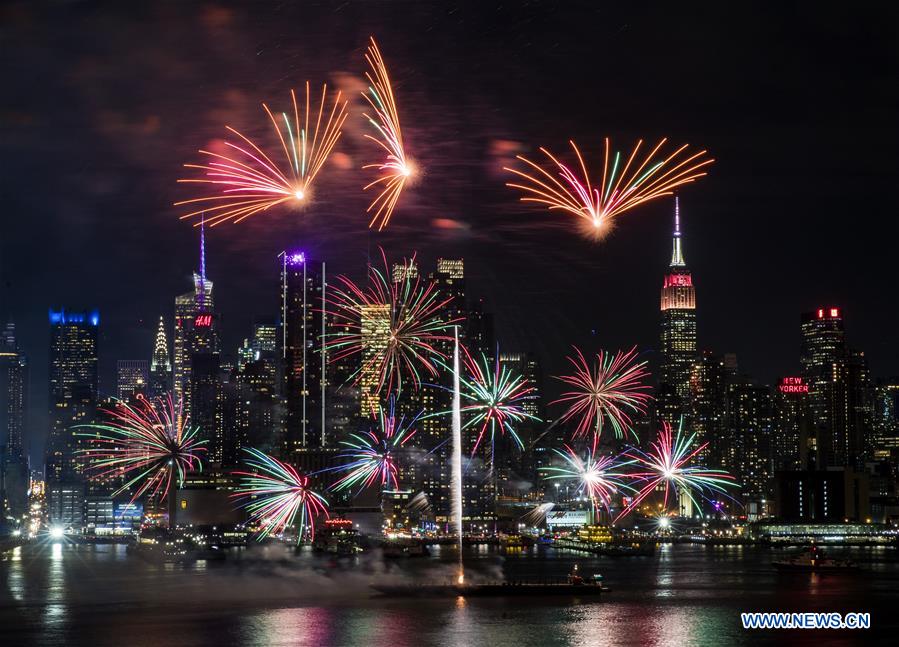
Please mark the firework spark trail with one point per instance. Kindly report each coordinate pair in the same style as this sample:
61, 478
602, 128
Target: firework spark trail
537, 514
668, 463
396, 169
598, 478
274, 493
248, 181
622, 187
396, 324
612, 390
146, 444
373, 455
493, 398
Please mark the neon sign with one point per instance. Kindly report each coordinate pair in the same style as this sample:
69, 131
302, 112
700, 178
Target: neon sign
203, 321
792, 385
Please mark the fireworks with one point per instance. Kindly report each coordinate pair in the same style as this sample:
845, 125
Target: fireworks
493, 398
396, 325
622, 187
597, 478
247, 181
373, 455
148, 445
395, 170
536, 515
274, 493
668, 464
612, 390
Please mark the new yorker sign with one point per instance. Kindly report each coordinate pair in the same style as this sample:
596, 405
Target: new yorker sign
792, 385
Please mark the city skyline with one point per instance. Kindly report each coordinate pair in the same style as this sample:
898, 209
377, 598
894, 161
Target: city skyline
768, 231
415, 323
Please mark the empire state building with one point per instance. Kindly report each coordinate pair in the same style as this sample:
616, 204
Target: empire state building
678, 336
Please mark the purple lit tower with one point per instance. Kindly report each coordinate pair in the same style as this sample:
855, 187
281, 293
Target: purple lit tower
320, 400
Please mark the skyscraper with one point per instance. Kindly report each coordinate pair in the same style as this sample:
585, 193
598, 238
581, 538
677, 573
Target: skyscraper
160, 364
793, 424
132, 378
678, 336
14, 392
196, 329
750, 419
13, 395
840, 397
73, 385
303, 356
708, 407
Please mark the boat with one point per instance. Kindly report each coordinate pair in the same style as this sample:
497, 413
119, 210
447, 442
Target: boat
338, 537
574, 585
814, 560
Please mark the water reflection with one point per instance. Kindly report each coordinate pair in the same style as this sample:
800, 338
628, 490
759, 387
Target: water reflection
683, 595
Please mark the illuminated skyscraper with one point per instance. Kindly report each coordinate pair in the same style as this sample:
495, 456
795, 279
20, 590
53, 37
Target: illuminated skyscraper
708, 403
73, 385
196, 329
160, 364
840, 392
678, 338
132, 378
304, 358
750, 420
791, 442
13, 395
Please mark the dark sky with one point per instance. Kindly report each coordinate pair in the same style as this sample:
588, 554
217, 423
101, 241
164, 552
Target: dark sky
103, 102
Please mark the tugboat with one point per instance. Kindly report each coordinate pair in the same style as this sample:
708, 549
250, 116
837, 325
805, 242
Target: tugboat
814, 560
573, 585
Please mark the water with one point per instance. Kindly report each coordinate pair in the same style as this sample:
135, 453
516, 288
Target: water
685, 595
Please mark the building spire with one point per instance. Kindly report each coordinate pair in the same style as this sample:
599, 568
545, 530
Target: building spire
677, 255
160, 359
203, 249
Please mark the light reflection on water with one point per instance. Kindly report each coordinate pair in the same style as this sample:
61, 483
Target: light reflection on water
683, 595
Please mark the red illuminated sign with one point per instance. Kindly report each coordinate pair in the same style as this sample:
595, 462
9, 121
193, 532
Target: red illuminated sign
203, 321
831, 313
678, 280
792, 385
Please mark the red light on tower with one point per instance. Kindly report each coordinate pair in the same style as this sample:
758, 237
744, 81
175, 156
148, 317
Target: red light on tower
834, 312
820, 313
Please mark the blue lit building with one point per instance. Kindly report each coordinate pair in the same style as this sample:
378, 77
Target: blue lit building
73, 385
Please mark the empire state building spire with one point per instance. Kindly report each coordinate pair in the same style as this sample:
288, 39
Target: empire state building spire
677, 255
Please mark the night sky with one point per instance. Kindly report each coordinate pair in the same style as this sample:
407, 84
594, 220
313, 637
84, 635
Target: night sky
103, 102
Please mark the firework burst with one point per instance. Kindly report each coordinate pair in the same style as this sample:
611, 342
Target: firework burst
247, 181
622, 187
610, 391
667, 465
493, 400
395, 170
396, 325
598, 478
150, 445
373, 456
275, 494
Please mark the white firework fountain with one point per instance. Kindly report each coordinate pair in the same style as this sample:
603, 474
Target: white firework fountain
457, 457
